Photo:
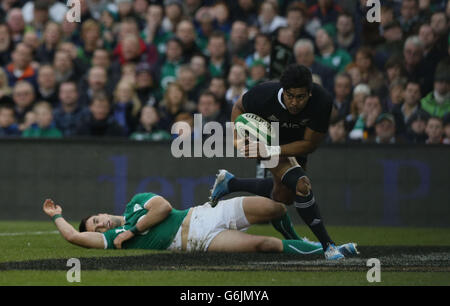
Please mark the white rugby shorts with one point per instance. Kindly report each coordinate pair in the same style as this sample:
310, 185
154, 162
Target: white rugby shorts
207, 222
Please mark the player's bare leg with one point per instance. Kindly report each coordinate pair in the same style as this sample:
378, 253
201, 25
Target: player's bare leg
236, 241
261, 210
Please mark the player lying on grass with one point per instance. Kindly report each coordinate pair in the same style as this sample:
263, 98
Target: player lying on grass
150, 222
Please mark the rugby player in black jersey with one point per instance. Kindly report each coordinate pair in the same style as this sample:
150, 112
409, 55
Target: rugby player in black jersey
302, 109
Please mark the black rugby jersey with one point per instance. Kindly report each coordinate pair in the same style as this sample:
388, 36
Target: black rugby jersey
265, 100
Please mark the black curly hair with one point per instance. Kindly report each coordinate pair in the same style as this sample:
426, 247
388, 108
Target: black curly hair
296, 76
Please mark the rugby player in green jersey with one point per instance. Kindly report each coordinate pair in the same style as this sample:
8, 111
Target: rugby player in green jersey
150, 222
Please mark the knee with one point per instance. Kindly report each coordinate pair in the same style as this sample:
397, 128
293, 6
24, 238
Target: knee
268, 244
278, 209
282, 195
303, 187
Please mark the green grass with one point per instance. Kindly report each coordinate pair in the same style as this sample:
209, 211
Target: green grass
30, 247
205, 278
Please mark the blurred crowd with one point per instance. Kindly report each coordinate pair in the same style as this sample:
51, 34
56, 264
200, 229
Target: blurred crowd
132, 69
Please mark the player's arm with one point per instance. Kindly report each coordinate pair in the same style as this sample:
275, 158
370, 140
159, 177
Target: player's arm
85, 239
238, 109
309, 144
158, 210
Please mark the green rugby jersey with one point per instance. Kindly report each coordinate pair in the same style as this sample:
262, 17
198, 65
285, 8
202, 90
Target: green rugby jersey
158, 237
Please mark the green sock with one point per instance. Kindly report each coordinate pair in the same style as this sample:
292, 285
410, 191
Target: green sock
301, 247
285, 227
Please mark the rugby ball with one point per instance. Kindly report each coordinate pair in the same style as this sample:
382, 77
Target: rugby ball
253, 126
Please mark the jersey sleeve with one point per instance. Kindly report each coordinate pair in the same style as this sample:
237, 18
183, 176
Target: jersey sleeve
322, 113
138, 202
248, 101
109, 236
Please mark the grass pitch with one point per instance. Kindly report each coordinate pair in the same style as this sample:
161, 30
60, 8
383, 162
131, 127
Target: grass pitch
33, 253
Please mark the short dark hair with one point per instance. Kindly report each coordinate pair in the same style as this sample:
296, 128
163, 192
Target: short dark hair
296, 76
82, 227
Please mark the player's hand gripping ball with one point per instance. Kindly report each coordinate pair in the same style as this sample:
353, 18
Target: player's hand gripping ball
255, 135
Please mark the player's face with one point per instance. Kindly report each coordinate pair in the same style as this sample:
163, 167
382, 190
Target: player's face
295, 99
100, 223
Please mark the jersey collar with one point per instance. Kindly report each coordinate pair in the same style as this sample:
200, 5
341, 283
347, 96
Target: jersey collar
280, 95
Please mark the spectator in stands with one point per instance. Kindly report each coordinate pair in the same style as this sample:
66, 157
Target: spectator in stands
393, 69
415, 127
411, 104
342, 95
16, 24
364, 126
126, 106
210, 109
239, 46
24, 97
174, 13
347, 39
96, 83
20, 69
47, 89
434, 130
262, 46
439, 24
148, 126
395, 97
172, 61
154, 33
432, 53
52, 36
218, 56
304, 55
268, 19
8, 125
174, 102
199, 65
44, 126
370, 74
392, 44
327, 11
385, 130
414, 66
6, 45
64, 67
40, 18
409, 16
185, 31
187, 79
286, 36
237, 78
437, 102
246, 10
98, 121
328, 54
69, 112
218, 86
146, 85
56, 10
296, 19
90, 40
257, 74
337, 132
5, 89
221, 13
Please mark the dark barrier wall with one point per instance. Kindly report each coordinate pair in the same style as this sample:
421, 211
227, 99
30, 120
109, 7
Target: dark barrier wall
354, 185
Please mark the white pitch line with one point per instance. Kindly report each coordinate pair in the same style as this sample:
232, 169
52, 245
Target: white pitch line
29, 233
